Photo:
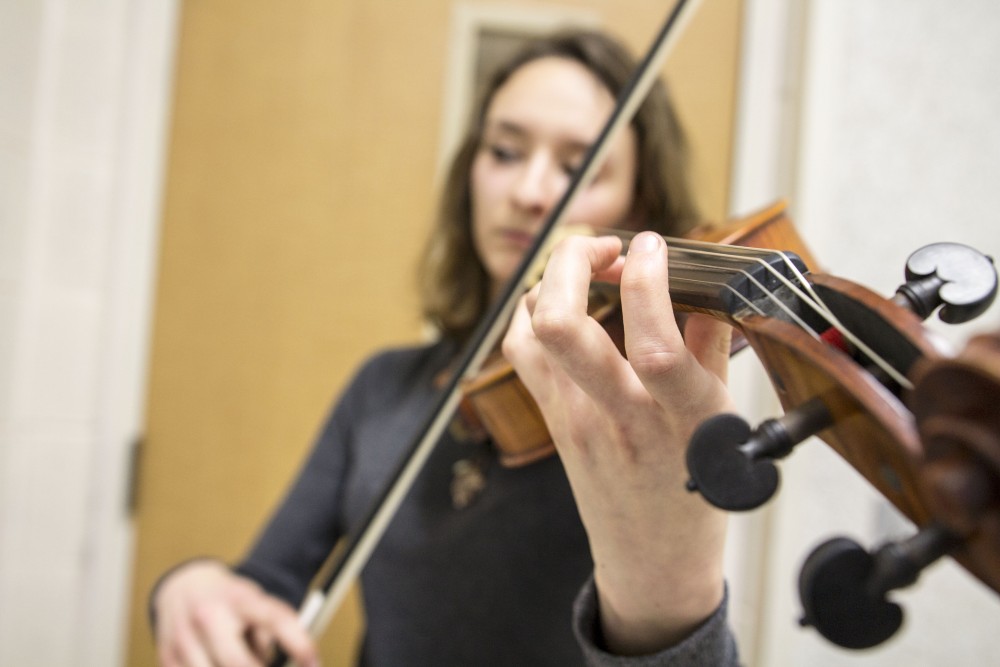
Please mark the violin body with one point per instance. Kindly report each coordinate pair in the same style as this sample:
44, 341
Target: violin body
498, 406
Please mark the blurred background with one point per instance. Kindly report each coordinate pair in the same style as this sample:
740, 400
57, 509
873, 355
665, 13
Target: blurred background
210, 213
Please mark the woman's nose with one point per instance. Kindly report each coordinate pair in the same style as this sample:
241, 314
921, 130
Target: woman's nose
538, 186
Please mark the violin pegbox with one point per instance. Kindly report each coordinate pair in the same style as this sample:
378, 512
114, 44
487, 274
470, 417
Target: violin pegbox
863, 386
843, 588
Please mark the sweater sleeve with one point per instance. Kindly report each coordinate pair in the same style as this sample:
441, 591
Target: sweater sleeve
308, 522
711, 645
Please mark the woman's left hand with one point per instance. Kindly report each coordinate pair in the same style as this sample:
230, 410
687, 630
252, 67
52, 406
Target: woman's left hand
621, 427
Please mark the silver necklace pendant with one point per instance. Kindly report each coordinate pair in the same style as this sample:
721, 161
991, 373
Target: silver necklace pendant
467, 481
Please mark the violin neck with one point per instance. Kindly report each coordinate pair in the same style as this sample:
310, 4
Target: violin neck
730, 280
727, 280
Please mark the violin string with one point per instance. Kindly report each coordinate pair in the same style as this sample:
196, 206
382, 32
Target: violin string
729, 288
678, 246
876, 358
811, 300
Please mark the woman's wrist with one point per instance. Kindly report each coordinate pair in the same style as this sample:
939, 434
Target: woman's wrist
651, 598
166, 576
655, 622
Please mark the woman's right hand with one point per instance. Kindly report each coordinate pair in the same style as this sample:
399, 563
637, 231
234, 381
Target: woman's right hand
207, 616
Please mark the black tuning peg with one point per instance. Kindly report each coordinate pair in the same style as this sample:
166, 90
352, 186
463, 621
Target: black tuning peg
960, 278
731, 465
843, 588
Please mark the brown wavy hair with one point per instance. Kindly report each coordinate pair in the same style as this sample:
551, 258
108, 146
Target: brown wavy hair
453, 283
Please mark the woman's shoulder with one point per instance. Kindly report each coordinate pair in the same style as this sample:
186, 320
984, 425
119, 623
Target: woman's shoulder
406, 364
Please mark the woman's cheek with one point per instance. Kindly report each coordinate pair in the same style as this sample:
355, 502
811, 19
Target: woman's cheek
593, 208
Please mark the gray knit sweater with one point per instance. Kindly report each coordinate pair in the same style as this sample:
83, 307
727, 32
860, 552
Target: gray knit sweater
493, 583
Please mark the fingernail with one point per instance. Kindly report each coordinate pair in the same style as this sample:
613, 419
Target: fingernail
646, 242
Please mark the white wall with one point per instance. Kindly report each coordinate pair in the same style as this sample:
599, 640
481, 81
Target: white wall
880, 121
85, 93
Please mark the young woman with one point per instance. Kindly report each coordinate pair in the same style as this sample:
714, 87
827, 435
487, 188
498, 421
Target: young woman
490, 578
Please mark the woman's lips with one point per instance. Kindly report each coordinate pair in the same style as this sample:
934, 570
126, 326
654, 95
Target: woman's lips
518, 238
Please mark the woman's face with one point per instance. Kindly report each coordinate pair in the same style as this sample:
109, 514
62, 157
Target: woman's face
537, 130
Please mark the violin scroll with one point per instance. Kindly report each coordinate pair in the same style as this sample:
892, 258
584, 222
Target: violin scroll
954, 406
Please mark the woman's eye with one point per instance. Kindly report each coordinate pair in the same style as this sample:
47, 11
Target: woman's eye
571, 169
503, 153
